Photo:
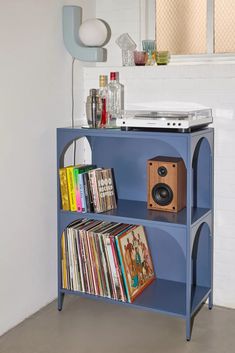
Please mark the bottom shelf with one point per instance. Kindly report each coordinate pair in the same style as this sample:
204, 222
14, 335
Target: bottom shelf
163, 296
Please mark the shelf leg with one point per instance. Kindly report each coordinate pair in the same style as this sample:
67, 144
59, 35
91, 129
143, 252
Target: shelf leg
60, 301
210, 302
188, 328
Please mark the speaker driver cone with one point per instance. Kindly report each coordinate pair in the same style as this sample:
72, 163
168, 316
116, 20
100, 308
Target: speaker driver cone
162, 194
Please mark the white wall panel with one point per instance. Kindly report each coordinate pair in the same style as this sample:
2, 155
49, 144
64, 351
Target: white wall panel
35, 91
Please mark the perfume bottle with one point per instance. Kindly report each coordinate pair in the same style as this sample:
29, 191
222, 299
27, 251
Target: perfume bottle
115, 100
103, 99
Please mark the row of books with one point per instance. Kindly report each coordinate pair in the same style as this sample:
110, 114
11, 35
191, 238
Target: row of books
85, 188
106, 258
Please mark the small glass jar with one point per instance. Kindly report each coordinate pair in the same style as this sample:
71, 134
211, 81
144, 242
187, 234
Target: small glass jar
140, 57
127, 58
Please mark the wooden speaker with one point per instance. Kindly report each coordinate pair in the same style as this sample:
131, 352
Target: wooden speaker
166, 184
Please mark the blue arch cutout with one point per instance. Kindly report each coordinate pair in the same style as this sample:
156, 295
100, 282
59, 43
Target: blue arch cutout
202, 174
201, 264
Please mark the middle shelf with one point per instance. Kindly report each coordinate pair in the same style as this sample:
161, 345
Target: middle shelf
136, 212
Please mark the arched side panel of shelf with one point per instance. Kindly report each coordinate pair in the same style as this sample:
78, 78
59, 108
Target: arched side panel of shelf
80, 151
208, 134
66, 220
168, 249
65, 138
201, 256
202, 183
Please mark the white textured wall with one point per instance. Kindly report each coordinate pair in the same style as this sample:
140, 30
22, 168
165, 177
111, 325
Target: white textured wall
211, 84
123, 17
35, 95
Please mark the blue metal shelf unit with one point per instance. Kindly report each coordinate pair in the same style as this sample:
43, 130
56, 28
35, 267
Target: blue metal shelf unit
181, 243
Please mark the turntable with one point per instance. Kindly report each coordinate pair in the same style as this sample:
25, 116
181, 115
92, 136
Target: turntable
183, 121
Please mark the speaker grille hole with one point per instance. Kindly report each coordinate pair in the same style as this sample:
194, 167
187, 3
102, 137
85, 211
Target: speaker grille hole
162, 194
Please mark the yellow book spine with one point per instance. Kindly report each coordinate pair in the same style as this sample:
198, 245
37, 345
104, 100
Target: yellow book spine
64, 189
71, 188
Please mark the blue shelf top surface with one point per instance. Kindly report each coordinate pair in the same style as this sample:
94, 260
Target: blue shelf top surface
133, 133
136, 212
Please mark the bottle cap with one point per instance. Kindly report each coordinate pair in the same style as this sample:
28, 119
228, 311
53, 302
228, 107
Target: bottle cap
113, 76
93, 92
103, 80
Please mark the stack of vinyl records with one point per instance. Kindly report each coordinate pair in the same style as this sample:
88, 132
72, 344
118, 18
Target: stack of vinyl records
106, 258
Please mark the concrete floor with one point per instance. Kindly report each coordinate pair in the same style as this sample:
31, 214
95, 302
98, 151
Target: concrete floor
86, 326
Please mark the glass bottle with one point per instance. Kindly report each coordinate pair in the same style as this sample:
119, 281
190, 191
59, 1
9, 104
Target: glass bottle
103, 97
115, 104
93, 112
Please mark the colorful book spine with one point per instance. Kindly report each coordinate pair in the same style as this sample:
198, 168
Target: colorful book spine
64, 189
82, 193
79, 185
77, 190
94, 190
100, 191
111, 190
71, 188
86, 192
108, 205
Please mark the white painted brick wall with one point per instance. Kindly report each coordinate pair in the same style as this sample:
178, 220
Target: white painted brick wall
212, 85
